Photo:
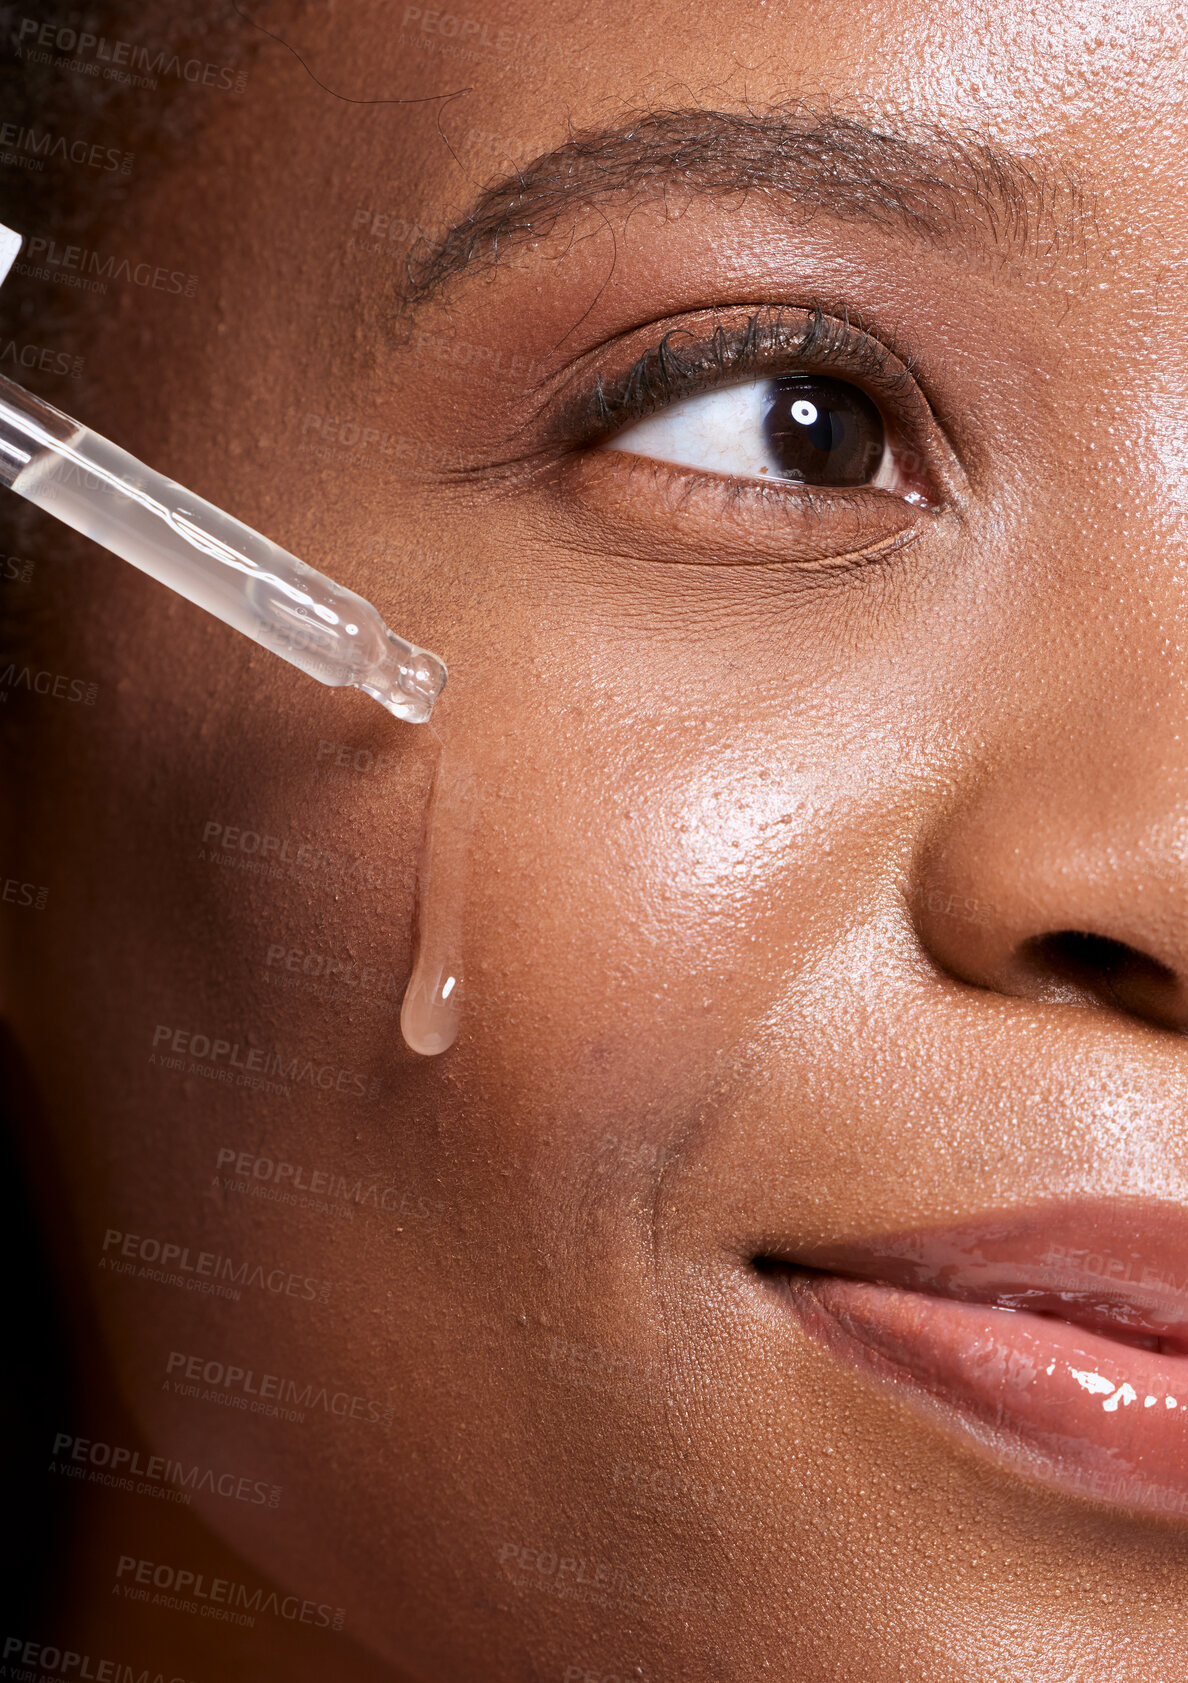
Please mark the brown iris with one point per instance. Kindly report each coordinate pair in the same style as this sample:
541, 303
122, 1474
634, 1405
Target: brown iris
823, 432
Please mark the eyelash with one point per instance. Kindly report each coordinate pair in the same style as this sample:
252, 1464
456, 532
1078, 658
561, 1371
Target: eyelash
662, 374
771, 341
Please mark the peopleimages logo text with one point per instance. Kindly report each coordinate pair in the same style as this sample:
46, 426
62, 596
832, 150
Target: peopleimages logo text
51, 1661
281, 1282
186, 1476
225, 1592
186, 1374
40, 144
43, 253
124, 56
171, 1046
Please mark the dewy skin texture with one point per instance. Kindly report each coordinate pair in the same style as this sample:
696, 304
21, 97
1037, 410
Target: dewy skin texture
841, 888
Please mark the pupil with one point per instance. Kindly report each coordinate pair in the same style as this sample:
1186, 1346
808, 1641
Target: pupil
823, 432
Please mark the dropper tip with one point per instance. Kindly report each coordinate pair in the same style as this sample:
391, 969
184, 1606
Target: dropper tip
407, 681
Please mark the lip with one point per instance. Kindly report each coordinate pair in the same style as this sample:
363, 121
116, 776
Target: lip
1056, 1338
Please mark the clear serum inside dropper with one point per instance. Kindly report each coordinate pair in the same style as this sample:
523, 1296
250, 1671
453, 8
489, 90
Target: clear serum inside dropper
209, 557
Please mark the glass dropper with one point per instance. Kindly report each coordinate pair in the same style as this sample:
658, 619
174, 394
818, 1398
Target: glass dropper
209, 557
205, 555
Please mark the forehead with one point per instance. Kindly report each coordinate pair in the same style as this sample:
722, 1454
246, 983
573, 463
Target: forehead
1077, 111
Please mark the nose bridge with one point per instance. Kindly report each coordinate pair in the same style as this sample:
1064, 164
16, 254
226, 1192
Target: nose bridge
1111, 408
1092, 626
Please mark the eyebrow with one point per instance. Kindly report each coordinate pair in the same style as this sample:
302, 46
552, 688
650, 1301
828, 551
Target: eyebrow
936, 185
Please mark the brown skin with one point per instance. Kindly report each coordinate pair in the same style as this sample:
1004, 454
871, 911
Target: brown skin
718, 998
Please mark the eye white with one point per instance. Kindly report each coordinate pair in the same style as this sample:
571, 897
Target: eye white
722, 432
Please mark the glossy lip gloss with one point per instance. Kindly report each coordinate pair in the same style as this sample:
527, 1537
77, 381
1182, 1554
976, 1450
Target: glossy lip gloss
1057, 1338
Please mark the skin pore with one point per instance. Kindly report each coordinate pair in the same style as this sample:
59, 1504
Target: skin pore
784, 804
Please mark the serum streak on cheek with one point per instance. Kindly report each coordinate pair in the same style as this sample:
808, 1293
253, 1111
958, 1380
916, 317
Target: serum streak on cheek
431, 1011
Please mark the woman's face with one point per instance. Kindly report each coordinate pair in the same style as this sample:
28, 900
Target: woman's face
812, 849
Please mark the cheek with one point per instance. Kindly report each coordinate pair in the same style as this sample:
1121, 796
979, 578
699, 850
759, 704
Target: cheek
648, 875
614, 888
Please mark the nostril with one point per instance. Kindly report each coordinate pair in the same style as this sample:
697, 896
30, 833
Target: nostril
1079, 957
1109, 972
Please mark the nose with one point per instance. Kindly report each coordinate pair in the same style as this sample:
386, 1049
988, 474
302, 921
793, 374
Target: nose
1065, 879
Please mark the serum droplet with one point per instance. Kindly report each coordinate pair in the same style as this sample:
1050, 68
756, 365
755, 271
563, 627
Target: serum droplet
432, 1008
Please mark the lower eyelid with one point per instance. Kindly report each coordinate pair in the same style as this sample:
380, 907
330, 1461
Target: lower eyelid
631, 505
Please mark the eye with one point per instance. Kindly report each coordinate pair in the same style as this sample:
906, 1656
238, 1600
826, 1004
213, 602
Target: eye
806, 429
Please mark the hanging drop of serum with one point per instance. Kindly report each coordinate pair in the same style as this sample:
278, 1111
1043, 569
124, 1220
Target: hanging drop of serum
431, 1010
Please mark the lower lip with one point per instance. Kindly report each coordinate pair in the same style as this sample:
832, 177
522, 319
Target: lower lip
1070, 1409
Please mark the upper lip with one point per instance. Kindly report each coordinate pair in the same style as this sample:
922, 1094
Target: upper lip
1117, 1267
